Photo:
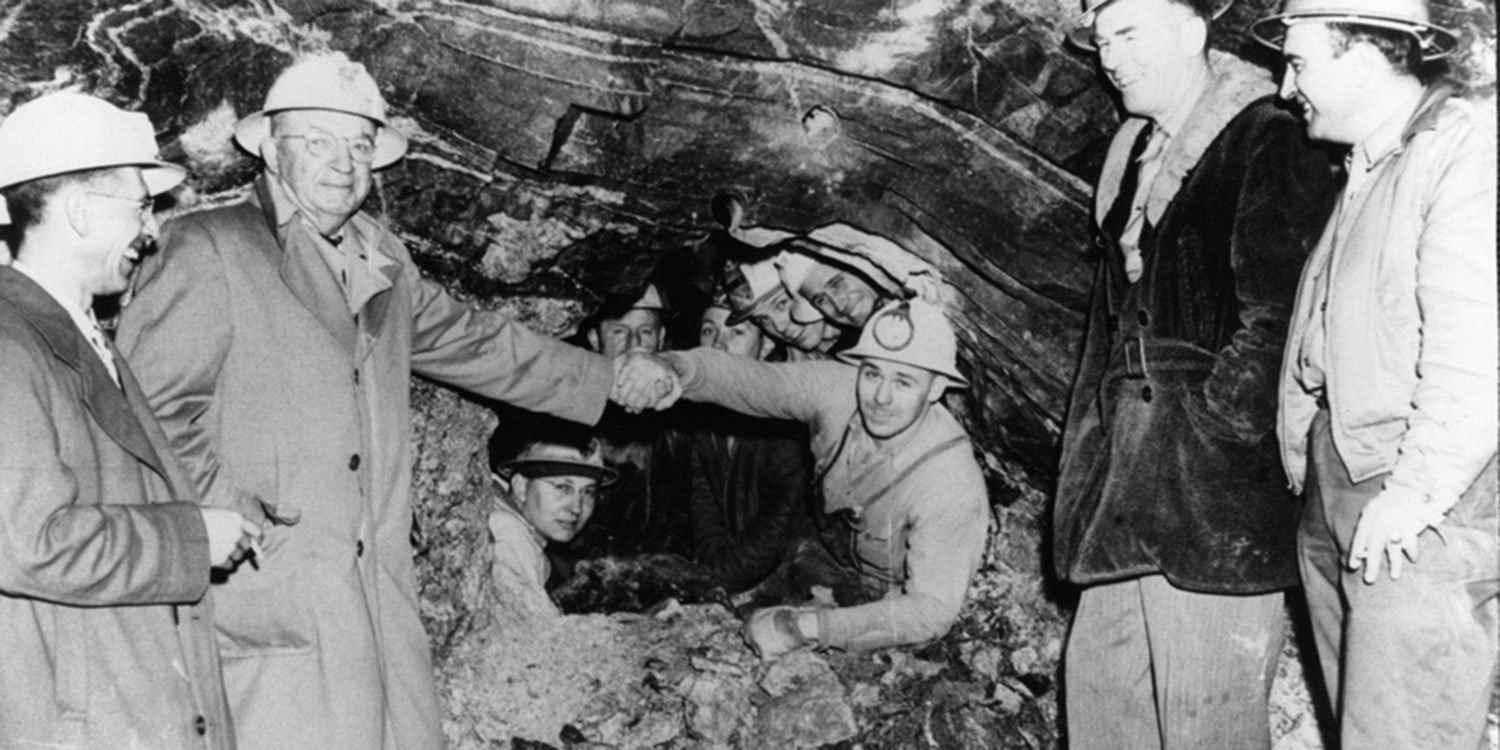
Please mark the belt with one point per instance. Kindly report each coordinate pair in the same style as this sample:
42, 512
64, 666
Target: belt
1138, 357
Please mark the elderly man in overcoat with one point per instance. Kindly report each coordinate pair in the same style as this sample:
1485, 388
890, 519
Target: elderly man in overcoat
106, 637
1171, 513
276, 343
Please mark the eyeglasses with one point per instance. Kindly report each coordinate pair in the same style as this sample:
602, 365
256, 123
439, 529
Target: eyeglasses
321, 144
145, 206
569, 490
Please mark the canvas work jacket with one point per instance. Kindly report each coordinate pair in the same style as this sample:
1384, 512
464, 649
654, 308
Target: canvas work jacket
106, 634
1410, 344
1169, 458
268, 386
920, 541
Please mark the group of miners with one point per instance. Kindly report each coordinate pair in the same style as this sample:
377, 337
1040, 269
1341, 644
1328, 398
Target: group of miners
1288, 379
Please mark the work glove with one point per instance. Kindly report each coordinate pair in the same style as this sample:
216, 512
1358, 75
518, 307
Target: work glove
772, 632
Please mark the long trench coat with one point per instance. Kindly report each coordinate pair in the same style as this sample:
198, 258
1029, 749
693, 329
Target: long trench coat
106, 638
269, 387
1170, 463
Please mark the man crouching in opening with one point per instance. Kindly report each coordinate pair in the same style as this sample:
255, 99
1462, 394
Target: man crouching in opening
894, 467
548, 490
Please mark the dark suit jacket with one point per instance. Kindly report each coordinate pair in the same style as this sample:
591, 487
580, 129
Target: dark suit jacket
103, 552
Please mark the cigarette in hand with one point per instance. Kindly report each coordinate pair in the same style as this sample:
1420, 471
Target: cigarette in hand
256, 553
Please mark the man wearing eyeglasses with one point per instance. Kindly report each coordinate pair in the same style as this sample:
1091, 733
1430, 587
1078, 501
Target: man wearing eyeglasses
548, 490
276, 343
106, 637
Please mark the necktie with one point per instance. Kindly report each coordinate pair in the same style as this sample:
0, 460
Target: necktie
96, 338
1118, 216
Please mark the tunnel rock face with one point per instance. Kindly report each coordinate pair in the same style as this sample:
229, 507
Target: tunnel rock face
562, 148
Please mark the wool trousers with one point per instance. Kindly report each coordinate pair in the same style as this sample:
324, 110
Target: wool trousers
1153, 667
1409, 664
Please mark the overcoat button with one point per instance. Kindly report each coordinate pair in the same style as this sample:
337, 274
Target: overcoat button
354, 462
359, 548
200, 725
1143, 317
1146, 394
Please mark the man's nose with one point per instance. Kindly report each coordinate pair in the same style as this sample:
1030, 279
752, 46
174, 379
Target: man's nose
1288, 88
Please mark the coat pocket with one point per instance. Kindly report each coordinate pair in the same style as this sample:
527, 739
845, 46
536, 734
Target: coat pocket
265, 612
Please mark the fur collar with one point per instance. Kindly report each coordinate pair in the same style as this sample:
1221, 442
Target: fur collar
1235, 84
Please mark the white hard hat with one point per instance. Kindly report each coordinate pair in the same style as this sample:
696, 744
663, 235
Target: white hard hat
913, 332
793, 268
332, 82
1082, 34
1411, 16
68, 132
749, 287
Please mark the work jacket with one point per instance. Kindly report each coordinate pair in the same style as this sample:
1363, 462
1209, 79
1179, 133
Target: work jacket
919, 539
1169, 458
106, 638
1409, 356
269, 387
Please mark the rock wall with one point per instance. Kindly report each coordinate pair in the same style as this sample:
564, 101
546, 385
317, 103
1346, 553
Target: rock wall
561, 149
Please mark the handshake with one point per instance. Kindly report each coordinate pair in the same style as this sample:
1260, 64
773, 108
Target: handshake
644, 381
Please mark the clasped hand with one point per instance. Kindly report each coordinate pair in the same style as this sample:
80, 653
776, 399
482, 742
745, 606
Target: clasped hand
644, 381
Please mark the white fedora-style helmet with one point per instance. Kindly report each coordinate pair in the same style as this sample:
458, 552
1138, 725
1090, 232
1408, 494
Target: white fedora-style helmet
331, 82
1082, 34
67, 132
1411, 16
913, 332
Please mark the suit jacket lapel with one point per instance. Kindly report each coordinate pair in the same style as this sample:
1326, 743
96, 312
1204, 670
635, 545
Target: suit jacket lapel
307, 275
101, 397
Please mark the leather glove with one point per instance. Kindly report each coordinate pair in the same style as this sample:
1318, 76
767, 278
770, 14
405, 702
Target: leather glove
772, 632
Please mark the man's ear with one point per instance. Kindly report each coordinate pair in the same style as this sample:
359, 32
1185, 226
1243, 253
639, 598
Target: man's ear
270, 155
1193, 39
767, 345
939, 386
75, 207
593, 337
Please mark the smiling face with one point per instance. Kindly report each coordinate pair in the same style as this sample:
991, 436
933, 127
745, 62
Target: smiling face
331, 186
1324, 83
1146, 48
774, 316
744, 340
558, 507
842, 296
122, 227
893, 396
638, 330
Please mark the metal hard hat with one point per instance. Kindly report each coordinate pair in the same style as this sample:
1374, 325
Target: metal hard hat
330, 82
1082, 34
1411, 16
544, 459
913, 332
68, 132
793, 267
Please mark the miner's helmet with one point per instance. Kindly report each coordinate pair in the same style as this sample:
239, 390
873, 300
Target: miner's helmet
331, 82
67, 132
912, 332
549, 447
1082, 34
1410, 16
750, 287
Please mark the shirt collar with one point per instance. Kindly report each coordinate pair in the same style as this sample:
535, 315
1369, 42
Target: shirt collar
1389, 135
60, 293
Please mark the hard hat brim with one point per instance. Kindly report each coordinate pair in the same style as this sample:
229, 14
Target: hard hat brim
858, 354
253, 129
553, 467
1436, 43
160, 176
804, 312
1082, 35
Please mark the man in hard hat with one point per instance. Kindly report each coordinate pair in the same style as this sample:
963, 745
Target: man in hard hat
755, 293
1388, 390
1168, 514
548, 490
893, 465
843, 288
750, 477
104, 550
276, 342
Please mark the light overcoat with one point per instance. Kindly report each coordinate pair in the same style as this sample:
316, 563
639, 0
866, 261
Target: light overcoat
269, 387
106, 638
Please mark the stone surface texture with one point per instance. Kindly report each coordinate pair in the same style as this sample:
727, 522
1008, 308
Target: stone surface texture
560, 150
